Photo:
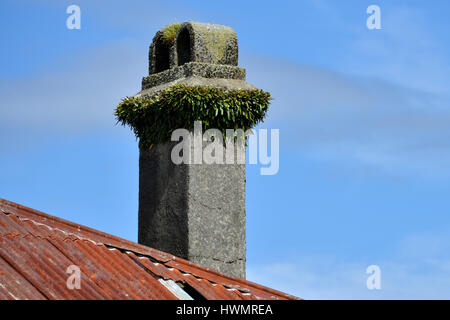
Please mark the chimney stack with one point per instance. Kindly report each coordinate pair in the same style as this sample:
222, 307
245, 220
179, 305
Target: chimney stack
194, 211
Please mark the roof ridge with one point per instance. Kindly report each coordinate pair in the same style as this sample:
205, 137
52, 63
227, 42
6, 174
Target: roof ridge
9, 207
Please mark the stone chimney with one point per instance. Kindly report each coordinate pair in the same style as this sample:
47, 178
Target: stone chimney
194, 211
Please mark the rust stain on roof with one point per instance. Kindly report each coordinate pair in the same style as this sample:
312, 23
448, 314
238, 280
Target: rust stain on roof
36, 249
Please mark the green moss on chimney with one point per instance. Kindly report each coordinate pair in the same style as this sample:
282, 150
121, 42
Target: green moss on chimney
169, 32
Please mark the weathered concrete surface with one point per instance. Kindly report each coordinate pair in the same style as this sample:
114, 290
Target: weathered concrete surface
206, 70
195, 211
163, 214
223, 84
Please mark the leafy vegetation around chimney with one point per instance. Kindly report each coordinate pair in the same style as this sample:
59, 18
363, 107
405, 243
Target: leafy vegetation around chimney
153, 119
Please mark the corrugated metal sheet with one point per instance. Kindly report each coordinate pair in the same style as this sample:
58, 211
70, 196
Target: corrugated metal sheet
36, 249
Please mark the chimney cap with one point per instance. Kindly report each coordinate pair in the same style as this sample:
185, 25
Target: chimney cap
193, 42
194, 53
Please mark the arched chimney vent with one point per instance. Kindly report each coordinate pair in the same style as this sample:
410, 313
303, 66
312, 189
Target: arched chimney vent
162, 53
184, 47
205, 50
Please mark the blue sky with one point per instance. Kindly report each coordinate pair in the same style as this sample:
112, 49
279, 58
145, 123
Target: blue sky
363, 117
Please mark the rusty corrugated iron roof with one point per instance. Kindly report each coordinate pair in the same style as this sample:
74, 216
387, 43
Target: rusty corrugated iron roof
36, 249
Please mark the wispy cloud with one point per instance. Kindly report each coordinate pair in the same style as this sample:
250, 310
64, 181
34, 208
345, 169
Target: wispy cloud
418, 269
408, 50
323, 113
345, 117
76, 93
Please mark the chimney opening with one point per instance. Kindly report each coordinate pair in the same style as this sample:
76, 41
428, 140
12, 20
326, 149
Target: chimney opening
162, 53
184, 47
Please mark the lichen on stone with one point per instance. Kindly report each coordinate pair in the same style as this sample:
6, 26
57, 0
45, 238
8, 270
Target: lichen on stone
216, 42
